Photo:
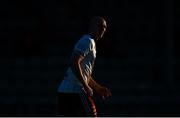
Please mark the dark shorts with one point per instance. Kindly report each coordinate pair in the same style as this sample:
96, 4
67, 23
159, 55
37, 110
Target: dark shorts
74, 104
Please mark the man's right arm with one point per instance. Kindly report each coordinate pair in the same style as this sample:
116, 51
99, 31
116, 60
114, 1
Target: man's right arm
76, 68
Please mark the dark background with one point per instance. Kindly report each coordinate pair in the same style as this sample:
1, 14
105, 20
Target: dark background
137, 59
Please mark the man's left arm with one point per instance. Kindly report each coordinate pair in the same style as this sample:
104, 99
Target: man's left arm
103, 91
93, 84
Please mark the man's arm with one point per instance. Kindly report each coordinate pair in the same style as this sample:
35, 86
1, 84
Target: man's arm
93, 84
76, 68
103, 91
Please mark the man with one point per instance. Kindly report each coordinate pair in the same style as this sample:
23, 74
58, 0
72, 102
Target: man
75, 93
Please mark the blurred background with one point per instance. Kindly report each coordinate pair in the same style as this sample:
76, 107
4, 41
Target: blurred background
137, 59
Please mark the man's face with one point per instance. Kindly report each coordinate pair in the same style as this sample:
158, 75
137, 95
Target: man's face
102, 28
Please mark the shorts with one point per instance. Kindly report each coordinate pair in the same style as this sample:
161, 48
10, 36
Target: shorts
75, 105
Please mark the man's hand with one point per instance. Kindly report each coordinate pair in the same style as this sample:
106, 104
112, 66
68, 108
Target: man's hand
103, 91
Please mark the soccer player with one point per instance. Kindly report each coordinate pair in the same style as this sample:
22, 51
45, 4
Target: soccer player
75, 93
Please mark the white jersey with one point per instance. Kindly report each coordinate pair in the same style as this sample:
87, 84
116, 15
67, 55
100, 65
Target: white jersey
87, 48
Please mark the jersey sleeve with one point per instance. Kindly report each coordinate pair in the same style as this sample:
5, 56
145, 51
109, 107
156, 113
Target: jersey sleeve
82, 47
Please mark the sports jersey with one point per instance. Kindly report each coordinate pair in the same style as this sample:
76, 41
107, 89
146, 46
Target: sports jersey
87, 48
